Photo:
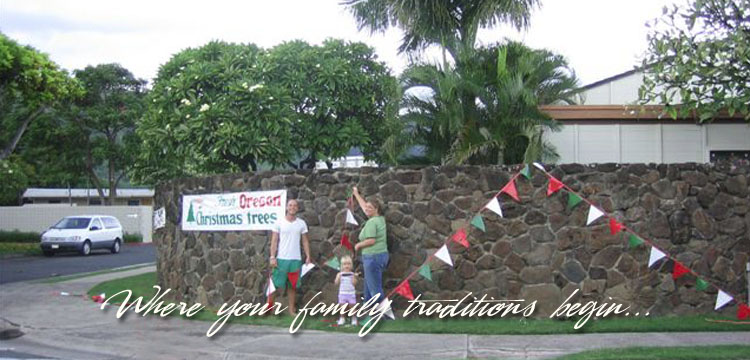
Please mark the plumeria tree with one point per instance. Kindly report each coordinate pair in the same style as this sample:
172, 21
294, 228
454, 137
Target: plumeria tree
210, 111
232, 107
342, 96
698, 59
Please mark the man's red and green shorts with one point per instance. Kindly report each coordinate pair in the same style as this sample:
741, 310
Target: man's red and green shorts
280, 273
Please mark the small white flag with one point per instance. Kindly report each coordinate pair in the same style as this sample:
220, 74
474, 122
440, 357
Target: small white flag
444, 255
655, 256
722, 299
306, 268
389, 313
160, 218
271, 288
539, 166
494, 205
594, 213
350, 218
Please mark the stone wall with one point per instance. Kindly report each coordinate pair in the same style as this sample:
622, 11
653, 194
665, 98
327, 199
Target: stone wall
540, 250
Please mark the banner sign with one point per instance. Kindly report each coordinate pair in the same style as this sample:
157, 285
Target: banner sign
257, 210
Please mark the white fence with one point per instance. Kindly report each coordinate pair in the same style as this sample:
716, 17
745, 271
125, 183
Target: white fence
37, 218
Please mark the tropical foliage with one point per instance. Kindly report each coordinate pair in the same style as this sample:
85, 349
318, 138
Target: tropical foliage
342, 96
480, 105
231, 107
486, 112
698, 60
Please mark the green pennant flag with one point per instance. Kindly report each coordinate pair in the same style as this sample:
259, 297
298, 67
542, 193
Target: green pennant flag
478, 223
634, 241
526, 171
701, 284
425, 272
573, 200
334, 263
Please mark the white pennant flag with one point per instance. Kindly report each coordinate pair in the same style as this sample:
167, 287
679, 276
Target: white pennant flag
350, 218
306, 268
389, 312
722, 299
655, 256
594, 213
271, 288
444, 255
494, 205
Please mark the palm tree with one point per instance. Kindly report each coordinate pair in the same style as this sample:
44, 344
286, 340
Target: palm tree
450, 24
481, 104
486, 112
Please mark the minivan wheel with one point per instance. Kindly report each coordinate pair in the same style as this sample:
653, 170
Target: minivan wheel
86, 248
116, 246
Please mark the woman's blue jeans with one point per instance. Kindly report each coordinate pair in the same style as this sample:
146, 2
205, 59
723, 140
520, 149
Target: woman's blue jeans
374, 266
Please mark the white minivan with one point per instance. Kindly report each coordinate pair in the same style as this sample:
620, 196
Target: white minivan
83, 233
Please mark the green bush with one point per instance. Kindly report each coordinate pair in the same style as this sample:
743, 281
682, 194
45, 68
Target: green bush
16, 236
132, 238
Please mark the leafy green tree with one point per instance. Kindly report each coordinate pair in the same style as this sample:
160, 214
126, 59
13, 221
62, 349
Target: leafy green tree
101, 124
698, 59
211, 111
30, 86
230, 107
505, 85
343, 97
14, 178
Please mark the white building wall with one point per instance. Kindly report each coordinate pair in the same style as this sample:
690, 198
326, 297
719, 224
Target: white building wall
37, 218
645, 143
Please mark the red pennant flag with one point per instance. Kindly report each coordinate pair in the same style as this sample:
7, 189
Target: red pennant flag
614, 226
679, 270
404, 290
743, 312
510, 189
460, 237
553, 186
345, 242
293, 277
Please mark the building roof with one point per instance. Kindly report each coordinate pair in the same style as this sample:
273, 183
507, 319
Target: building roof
84, 193
610, 79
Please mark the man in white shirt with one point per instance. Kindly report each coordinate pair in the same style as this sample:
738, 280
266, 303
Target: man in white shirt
285, 252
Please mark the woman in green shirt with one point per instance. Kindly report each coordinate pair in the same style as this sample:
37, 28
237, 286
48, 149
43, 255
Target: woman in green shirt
373, 246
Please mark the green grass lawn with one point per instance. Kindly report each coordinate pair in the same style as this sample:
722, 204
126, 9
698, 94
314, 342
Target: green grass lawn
142, 285
20, 248
719, 352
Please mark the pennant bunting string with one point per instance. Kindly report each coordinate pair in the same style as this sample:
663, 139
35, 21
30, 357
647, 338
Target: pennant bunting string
494, 205
553, 186
655, 256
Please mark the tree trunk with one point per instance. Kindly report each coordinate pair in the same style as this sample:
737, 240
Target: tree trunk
14, 142
112, 184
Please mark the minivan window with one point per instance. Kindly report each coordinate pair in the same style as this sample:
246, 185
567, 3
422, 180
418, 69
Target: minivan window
73, 223
110, 223
97, 223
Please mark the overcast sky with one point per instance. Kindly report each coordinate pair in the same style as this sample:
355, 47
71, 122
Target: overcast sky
600, 38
